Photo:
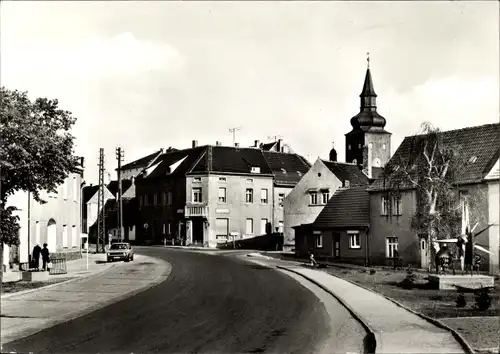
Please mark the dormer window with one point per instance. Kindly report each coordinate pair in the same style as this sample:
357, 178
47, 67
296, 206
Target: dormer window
283, 170
197, 179
347, 184
299, 173
255, 170
314, 198
473, 159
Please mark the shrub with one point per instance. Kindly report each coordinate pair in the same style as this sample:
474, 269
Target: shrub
409, 281
460, 301
483, 301
362, 270
372, 271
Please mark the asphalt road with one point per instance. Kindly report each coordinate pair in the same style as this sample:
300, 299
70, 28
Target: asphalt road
208, 304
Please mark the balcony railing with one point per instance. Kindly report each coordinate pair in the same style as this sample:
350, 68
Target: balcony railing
196, 210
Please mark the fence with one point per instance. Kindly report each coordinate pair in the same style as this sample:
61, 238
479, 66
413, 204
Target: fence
58, 266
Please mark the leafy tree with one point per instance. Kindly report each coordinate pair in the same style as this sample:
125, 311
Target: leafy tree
36, 152
431, 167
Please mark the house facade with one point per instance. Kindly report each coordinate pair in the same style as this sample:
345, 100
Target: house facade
311, 194
341, 231
478, 176
56, 222
213, 194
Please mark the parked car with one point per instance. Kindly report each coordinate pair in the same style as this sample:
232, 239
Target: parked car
120, 251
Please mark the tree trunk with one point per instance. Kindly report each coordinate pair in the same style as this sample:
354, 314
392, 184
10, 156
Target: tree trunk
1, 261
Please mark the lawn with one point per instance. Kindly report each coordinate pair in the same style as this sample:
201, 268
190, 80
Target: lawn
479, 327
16, 286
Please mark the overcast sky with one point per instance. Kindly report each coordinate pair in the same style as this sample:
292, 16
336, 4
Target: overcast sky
146, 75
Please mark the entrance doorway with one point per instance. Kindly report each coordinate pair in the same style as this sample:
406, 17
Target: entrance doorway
51, 235
424, 260
336, 246
197, 225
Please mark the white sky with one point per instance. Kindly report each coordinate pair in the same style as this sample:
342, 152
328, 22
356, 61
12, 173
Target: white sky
145, 75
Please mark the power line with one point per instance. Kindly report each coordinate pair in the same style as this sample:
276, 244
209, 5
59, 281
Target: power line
119, 158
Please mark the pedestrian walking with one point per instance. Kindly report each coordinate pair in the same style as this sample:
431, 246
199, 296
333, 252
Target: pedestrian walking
37, 250
45, 256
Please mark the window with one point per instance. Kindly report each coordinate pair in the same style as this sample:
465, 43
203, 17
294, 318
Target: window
222, 179
263, 196
354, 241
325, 196
347, 183
263, 226
164, 198
222, 195
249, 180
65, 236
281, 199
75, 189
391, 245
249, 195
384, 146
146, 201
280, 227
384, 207
140, 201
249, 227
37, 232
314, 198
397, 206
319, 239
196, 195
65, 190
169, 198
197, 180
155, 199
168, 228
255, 170
74, 236
359, 146
221, 229
349, 147
164, 227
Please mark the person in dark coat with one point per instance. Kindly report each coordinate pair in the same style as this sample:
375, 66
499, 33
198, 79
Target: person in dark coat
37, 250
45, 256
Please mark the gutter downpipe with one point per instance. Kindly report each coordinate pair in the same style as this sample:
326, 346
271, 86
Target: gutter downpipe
367, 253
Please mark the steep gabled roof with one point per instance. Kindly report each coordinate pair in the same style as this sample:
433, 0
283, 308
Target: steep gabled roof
348, 207
168, 163
89, 192
478, 147
142, 162
287, 168
347, 172
268, 146
377, 172
113, 186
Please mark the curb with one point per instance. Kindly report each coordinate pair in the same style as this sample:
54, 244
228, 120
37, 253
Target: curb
158, 279
373, 336
74, 278
458, 337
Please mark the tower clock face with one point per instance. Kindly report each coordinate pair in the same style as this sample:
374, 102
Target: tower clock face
376, 162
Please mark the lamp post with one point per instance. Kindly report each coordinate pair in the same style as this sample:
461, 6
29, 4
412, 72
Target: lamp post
82, 185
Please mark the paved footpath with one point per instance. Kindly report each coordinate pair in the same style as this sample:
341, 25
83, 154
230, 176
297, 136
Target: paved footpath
29, 312
396, 329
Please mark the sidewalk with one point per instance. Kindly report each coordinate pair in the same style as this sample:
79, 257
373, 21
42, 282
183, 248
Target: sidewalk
26, 313
396, 330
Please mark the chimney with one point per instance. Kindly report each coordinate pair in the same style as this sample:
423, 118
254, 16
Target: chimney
237, 144
195, 143
280, 145
218, 143
257, 143
367, 160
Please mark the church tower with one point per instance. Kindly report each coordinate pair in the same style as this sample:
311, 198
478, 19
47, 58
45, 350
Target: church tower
368, 133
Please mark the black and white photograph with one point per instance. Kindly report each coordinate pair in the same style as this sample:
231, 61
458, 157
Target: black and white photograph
249, 177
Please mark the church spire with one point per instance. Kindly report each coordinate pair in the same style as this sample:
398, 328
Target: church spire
368, 95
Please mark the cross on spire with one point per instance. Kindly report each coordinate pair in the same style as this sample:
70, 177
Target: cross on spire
368, 59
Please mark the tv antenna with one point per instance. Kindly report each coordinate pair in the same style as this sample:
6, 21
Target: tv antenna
234, 130
274, 137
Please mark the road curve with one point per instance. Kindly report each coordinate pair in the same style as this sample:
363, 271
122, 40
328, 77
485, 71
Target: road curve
208, 304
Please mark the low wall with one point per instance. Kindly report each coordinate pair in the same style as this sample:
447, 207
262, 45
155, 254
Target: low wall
271, 242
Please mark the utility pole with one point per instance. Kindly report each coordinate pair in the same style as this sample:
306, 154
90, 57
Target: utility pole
119, 157
101, 231
234, 130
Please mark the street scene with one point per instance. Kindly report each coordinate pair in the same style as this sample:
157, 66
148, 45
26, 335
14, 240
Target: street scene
250, 177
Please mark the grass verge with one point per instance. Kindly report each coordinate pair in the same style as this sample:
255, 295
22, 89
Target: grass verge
17, 286
479, 327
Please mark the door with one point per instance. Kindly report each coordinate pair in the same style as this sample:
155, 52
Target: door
336, 246
424, 261
197, 225
52, 236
